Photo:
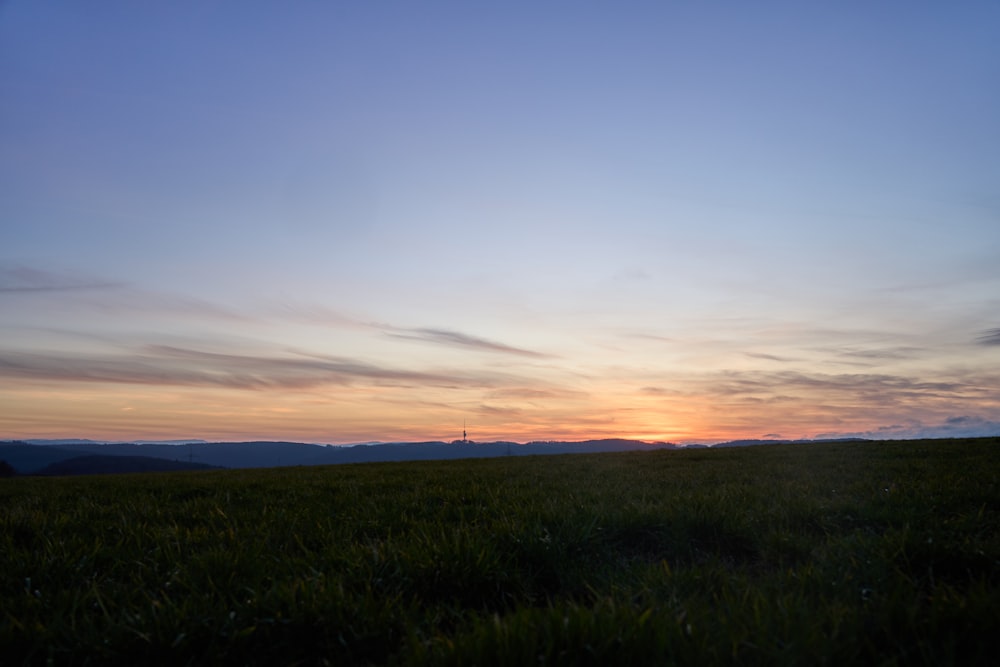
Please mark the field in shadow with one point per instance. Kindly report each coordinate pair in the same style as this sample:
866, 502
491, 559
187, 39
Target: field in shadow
813, 553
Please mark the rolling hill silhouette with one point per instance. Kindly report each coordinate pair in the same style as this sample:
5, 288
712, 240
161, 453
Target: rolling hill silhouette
33, 459
96, 464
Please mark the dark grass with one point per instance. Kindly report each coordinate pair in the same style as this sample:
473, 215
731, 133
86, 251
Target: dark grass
851, 553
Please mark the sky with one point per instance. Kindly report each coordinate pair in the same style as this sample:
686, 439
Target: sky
341, 222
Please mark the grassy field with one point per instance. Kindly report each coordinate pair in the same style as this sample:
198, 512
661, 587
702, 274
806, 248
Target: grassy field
850, 553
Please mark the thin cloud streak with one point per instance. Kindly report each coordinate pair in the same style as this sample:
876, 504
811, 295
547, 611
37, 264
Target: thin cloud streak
130, 300
878, 387
964, 426
319, 315
538, 393
325, 316
24, 280
989, 337
109, 297
455, 338
166, 365
771, 357
497, 411
879, 354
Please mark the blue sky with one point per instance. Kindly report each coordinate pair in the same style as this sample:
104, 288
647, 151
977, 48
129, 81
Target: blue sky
340, 222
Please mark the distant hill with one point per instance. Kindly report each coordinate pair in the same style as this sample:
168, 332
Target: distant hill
750, 443
277, 454
85, 441
32, 459
41, 459
95, 464
27, 459
64, 441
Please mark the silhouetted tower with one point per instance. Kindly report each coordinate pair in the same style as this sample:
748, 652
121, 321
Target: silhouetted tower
465, 436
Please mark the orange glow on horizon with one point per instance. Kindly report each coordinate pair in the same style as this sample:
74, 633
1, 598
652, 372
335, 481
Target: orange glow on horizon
346, 414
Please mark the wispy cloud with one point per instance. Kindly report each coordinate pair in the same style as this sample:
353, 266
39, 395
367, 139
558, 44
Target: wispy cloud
964, 426
901, 352
19, 280
108, 297
131, 301
537, 393
325, 316
455, 338
989, 337
120, 299
877, 387
770, 357
319, 315
167, 365
648, 336
869, 357
807, 404
497, 411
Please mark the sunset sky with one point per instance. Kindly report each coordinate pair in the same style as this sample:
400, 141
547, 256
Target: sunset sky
352, 221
